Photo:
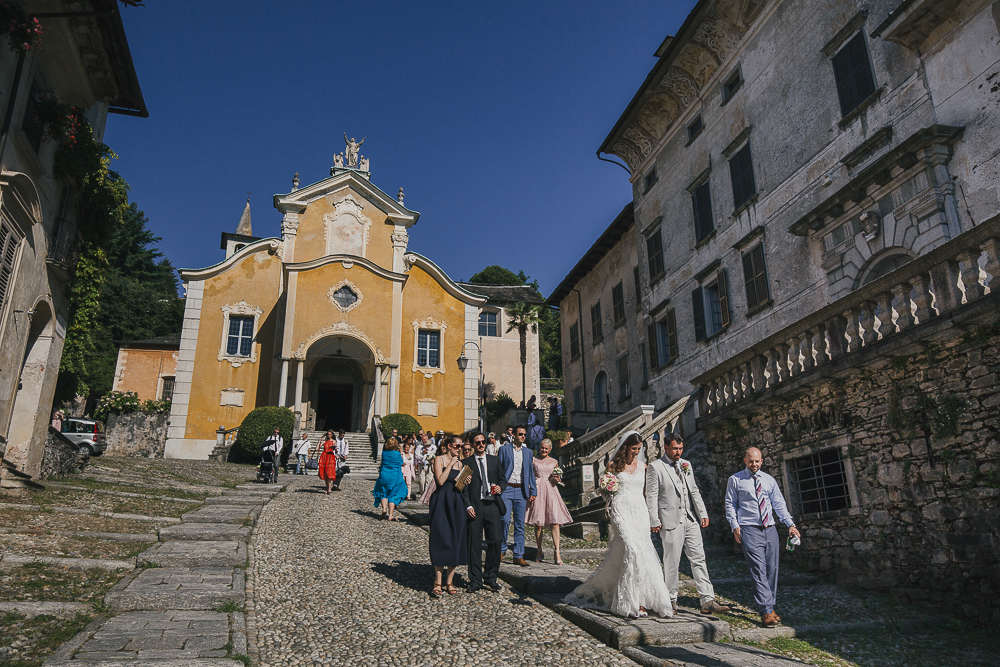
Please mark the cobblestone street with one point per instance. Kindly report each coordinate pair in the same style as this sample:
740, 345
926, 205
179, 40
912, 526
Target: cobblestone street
335, 585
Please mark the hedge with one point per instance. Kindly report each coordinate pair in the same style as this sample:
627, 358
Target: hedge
255, 428
402, 422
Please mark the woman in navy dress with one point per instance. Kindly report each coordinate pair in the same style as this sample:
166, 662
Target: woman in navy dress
449, 522
390, 489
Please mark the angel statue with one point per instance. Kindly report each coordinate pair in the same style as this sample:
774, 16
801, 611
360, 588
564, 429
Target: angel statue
352, 150
363, 163
338, 159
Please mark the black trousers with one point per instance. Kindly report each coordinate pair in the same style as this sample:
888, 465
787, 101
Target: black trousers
487, 525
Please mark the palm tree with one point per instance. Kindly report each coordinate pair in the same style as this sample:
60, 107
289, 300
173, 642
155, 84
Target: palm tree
522, 316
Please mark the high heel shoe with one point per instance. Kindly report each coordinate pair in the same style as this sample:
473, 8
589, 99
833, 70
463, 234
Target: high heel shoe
559, 560
452, 590
436, 591
538, 556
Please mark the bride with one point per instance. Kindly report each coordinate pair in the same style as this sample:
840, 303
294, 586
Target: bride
630, 580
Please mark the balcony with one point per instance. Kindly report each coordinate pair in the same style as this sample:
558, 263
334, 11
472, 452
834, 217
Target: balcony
63, 252
931, 288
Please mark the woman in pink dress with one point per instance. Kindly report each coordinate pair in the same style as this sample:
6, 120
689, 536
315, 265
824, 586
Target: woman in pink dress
548, 510
408, 466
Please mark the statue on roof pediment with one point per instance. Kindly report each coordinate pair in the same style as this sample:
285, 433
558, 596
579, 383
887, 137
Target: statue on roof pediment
351, 152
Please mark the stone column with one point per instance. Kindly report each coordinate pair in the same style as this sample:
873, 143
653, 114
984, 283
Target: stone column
283, 383
300, 367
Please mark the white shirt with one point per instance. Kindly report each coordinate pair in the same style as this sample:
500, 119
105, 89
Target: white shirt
484, 473
302, 447
515, 476
274, 443
341, 446
492, 449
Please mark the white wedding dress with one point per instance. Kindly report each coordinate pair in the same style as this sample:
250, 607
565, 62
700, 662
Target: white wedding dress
631, 575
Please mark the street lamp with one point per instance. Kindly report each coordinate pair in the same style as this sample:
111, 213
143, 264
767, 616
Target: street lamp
463, 363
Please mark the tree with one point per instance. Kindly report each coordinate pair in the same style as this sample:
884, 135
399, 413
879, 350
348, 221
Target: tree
523, 317
498, 275
550, 343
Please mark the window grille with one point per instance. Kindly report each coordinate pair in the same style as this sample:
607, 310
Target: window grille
488, 324
167, 393
429, 349
819, 482
240, 341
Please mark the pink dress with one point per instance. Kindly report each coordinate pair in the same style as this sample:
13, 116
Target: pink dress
408, 472
548, 508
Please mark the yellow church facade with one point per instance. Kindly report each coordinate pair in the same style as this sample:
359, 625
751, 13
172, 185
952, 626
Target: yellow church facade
334, 319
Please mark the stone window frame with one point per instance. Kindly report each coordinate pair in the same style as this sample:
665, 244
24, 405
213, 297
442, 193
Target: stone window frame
351, 286
650, 179
713, 276
732, 83
239, 309
841, 442
662, 329
429, 324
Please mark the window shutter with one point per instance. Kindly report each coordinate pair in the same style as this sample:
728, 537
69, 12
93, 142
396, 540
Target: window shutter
723, 298
698, 305
672, 333
845, 86
864, 84
734, 175
746, 169
702, 200
760, 274
749, 281
654, 362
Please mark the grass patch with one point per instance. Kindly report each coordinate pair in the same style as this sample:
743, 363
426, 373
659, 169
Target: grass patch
801, 650
242, 658
39, 582
228, 608
28, 642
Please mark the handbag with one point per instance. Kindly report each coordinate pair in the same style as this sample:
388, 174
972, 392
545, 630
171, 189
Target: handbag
343, 470
312, 464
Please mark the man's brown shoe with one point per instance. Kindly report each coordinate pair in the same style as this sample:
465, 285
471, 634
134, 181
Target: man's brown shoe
769, 620
713, 607
521, 562
775, 612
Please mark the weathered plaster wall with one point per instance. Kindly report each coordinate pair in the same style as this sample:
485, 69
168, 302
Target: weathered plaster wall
311, 235
502, 360
924, 522
140, 370
137, 434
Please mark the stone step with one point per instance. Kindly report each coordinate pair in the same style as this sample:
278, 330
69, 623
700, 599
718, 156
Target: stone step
244, 499
195, 553
205, 532
707, 655
197, 588
238, 514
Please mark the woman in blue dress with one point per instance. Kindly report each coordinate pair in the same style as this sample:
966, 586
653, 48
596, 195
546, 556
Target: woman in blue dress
390, 489
449, 522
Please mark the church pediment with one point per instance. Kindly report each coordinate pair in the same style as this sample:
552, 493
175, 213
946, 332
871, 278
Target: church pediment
345, 183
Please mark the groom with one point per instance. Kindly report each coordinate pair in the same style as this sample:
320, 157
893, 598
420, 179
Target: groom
677, 513
485, 506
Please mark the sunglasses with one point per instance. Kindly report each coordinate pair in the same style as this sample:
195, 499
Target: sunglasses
478, 442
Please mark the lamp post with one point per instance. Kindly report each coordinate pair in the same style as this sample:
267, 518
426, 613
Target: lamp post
463, 363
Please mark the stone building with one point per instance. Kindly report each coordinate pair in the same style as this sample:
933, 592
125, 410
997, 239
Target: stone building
147, 367
336, 320
815, 186
84, 61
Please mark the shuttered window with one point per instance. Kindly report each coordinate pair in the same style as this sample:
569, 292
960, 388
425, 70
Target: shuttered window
853, 71
618, 303
596, 328
701, 200
755, 277
662, 339
624, 388
638, 287
741, 173
710, 305
654, 251
9, 243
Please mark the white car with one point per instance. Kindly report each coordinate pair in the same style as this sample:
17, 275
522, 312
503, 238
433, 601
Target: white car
86, 434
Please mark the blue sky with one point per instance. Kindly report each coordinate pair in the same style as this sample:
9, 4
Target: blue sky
488, 115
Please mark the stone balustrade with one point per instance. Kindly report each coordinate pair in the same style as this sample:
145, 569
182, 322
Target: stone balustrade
956, 273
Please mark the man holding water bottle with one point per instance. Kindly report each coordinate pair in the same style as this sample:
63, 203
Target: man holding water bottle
751, 494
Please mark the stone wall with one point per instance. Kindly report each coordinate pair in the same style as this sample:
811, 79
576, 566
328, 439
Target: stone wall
916, 424
60, 456
137, 434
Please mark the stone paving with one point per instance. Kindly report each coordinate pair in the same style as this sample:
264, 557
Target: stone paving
158, 635
332, 584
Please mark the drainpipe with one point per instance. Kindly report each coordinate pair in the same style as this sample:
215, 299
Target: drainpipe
583, 357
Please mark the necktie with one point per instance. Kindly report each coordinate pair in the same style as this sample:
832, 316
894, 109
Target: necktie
761, 501
485, 492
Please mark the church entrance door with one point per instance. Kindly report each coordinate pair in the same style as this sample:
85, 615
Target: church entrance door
333, 409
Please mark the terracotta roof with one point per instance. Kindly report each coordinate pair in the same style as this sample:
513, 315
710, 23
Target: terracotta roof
505, 293
170, 340
602, 245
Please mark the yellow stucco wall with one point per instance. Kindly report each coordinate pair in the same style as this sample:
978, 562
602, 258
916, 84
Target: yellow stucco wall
311, 235
424, 297
140, 370
256, 280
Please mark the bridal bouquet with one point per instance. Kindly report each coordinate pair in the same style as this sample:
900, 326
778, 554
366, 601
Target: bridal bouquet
558, 472
609, 485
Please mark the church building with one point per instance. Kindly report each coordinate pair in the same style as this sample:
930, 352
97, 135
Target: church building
338, 321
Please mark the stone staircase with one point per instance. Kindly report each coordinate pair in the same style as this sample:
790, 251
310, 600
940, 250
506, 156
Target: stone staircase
359, 452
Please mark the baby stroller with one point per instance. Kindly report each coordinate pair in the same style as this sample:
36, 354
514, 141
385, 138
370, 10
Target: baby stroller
267, 471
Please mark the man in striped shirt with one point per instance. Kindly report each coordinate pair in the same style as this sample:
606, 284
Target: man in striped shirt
751, 495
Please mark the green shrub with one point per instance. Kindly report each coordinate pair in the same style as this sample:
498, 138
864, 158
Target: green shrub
498, 407
255, 428
402, 422
556, 436
127, 401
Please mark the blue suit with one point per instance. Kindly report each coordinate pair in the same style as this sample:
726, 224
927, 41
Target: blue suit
516, 499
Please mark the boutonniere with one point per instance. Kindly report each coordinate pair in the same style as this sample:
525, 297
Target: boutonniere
686, 468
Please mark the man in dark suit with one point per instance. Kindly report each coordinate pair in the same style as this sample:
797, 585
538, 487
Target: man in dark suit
484, 503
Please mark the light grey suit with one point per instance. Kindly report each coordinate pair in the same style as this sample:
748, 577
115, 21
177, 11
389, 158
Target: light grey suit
675, 505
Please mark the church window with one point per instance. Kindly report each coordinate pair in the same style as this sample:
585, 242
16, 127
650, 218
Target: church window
345, 297
488, 323
240, 342
428, 349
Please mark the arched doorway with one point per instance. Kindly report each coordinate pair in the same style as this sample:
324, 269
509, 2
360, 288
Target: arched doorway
340, 384
601, 392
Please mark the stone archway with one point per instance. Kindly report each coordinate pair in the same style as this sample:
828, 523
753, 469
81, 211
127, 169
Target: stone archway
341, 374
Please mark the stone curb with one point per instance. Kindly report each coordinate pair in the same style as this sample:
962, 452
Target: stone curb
176, 662
235, 514
33, 609
238, 634
127, 494
245, 499
10, 560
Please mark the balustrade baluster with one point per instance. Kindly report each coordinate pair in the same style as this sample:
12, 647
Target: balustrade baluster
758, 379
922, 297
886, 326
835, 328
782, 349
703, 405
852, 316
748, 388
904, 318
772, 367
944, 283
870, 333
992, 249
807, 350
735, 386
795, 349
969, 266
822, 354
723, 392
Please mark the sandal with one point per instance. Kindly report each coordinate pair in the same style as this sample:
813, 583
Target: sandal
436, 591
452, 590
538, 557
559, 560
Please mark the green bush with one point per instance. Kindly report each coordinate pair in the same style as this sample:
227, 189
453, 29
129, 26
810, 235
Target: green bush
402, 422
556, 436
498, 407
127, 401
255, 428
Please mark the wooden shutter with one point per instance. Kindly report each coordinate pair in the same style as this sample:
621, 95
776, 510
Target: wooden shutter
702, 202
672, 333
698, 306
736, 177
748, 280
760, 273
8, 253
723, 298
845, 84
654, 362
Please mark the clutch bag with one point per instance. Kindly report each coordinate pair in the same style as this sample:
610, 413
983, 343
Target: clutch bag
463, 478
